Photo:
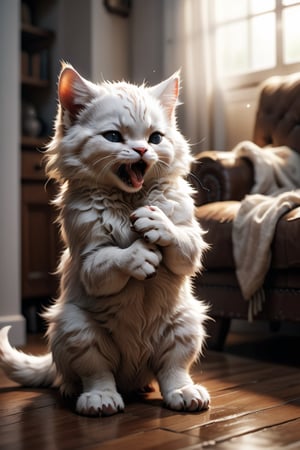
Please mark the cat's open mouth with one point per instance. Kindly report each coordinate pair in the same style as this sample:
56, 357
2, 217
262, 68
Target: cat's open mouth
133, 174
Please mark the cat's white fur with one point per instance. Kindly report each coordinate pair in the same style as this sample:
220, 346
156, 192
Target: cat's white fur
125, 313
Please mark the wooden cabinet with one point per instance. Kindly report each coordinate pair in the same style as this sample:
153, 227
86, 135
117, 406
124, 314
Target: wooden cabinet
39, 232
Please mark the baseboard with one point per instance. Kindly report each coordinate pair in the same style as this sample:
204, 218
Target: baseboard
17, 333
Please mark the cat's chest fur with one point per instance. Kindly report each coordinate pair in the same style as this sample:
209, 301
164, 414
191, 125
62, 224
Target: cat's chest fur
93, 215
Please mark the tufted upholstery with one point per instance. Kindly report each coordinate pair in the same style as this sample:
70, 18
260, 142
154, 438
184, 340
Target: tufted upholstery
222, 180
278, 116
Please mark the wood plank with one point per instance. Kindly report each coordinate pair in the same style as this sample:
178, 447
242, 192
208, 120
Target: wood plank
156, 439
250, 377
244, 424
286, 435
239, 402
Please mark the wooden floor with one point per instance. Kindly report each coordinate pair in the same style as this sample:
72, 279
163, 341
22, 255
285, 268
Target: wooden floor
255, 405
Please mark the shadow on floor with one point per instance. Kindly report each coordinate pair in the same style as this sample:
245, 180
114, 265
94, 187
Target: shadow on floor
278, 349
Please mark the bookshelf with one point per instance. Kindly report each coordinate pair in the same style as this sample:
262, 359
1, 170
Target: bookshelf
39, 233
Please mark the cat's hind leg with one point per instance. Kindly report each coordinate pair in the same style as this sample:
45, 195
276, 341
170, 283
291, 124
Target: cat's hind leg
184, 395
177, 387
87, 361
99, 397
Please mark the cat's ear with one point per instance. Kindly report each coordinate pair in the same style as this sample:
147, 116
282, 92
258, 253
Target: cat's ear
74, 91
167, 93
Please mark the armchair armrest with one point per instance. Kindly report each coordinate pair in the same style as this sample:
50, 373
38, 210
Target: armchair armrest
219, 176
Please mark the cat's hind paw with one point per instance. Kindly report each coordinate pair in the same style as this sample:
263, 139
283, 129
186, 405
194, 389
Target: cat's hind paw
99, 403
190, 398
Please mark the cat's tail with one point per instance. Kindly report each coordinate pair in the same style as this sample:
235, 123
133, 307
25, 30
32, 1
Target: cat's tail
27, 370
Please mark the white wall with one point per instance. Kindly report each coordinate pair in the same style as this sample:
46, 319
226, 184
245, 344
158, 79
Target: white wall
10, 291
146, 41
109, 44
93, 40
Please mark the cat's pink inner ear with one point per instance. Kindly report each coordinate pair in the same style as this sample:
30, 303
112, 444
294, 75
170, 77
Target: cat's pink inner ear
170, 96
176, 88
167, 92
66, 90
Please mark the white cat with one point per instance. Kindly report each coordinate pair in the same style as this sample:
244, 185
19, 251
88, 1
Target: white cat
126, 313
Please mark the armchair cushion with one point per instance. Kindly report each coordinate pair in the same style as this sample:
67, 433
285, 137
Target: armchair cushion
217, 219
286, 243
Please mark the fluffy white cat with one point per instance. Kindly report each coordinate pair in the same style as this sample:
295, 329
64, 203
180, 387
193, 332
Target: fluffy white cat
125, 314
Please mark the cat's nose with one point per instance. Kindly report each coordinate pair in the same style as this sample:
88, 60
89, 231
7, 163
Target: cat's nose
140, 150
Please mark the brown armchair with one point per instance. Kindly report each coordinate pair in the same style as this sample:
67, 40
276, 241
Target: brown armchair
222, 180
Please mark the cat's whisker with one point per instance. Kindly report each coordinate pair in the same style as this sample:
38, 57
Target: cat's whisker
163, 163
200, 142
104, 169
159, 168
100, 160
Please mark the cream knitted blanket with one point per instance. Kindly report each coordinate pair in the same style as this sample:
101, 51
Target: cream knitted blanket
276, 190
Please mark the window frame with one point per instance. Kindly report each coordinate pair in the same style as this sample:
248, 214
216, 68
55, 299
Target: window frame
252, 78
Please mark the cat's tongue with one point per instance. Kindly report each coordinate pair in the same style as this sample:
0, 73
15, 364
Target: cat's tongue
135, 174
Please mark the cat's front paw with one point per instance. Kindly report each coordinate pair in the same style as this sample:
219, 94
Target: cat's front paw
190, 398
153, 225
99, 403
141, 260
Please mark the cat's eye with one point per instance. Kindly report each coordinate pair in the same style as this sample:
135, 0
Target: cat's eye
155, 138
113, 136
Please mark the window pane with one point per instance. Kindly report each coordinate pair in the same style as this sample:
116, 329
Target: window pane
230, 9
263, 41
289, 2
291, 34
259, 6
232, 48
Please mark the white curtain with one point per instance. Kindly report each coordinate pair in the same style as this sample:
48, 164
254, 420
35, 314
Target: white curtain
186, 47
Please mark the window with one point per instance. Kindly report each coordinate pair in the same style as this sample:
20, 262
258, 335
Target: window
254, 37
